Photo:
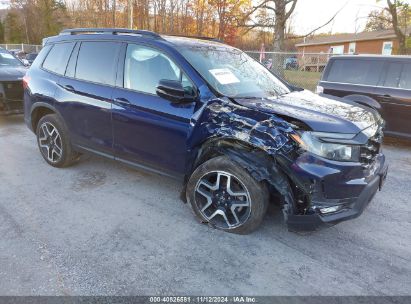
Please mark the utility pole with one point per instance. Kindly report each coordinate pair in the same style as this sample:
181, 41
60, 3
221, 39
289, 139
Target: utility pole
130, 13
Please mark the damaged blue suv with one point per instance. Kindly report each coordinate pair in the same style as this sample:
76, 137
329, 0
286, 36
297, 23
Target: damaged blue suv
204, 112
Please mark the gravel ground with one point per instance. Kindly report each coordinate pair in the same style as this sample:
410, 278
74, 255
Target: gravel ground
100, 228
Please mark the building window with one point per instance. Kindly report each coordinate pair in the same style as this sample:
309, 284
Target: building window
337, 49
387, 48
351, 48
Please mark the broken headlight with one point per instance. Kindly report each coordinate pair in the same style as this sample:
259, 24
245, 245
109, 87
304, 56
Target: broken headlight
314, 142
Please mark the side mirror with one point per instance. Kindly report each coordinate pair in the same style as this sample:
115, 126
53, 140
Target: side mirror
172, 90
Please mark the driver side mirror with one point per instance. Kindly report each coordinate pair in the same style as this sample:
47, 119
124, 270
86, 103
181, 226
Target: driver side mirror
173, 90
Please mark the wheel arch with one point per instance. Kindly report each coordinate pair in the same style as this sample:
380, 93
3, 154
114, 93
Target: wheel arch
364, 100
39, 110
258, 163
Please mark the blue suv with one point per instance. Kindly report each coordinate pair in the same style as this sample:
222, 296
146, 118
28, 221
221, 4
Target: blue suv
204, 112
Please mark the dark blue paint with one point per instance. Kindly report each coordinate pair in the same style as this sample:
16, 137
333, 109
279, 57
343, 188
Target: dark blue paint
155, 133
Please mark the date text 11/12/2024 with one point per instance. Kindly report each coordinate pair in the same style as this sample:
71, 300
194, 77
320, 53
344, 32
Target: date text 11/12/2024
202, 299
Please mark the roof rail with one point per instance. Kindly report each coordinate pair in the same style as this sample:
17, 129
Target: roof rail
200, 38
113, 31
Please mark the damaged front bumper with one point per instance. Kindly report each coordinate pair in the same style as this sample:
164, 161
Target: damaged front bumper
338, 191
11, 107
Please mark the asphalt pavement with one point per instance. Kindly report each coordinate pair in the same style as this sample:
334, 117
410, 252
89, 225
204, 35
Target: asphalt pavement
101, 228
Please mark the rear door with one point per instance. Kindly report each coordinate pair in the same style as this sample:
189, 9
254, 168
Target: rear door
147, 128
394, 95
85, 94
352, 76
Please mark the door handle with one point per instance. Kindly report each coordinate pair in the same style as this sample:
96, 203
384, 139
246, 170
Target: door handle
69, 88
385, 96
122, 101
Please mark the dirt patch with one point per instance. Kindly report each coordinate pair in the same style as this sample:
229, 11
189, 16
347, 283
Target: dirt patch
89, 180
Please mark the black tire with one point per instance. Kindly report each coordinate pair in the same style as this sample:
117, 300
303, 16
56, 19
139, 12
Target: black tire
66, 156
245, 220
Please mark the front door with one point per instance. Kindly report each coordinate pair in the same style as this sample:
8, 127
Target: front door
149, 129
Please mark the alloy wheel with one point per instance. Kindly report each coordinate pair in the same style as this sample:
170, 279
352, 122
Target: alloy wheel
50, 142
222, 199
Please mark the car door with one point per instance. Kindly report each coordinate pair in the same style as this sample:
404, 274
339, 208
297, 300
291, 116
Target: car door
85, 94
352, 77
394, 95
148, 129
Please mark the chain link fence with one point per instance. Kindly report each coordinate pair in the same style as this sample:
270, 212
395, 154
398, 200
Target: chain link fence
26, 48
301, 69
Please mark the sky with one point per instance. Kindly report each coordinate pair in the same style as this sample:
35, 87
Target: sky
310, 14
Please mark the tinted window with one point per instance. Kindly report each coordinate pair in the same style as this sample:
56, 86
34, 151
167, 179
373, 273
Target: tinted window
31, 56
356, 71
405, 81
7, 59
97, 62
393, 75
145, 67
56, 60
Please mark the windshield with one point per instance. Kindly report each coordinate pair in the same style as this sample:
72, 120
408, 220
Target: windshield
7, 59
233, 73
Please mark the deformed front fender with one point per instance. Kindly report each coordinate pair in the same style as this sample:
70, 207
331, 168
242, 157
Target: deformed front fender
252, 139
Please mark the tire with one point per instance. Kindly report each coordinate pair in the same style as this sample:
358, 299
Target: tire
54, 142
221, 186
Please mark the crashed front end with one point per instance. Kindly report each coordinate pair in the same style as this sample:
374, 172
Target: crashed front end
331, 190
315, 189
11, 97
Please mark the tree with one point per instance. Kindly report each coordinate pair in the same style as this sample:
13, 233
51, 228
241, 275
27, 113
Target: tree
398, 8
14, 32
378, 20
229, 14
281, 11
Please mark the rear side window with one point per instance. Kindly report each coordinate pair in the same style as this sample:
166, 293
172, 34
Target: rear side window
97, 62
405, 81
355, 71
56, 60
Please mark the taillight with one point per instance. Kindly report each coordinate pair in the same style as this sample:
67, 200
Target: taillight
26, 80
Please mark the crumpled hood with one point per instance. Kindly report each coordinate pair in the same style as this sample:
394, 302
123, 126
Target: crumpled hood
12, 73
321, 114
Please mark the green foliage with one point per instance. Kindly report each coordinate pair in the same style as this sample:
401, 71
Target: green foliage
13, 28
30, 21
1, 32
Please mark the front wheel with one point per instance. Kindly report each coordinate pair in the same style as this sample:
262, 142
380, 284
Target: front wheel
226, 196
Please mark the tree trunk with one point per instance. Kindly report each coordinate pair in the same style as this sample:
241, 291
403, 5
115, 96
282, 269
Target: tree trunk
279, 36
402, 39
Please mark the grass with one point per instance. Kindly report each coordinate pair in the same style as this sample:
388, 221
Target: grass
306, 80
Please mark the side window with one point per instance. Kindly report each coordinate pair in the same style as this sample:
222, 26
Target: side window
71, 66
365, 72
56, 60
393, 75
97, 62
144, 68
405, 81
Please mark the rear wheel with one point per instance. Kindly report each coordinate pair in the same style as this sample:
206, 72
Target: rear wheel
53, 142
226, 196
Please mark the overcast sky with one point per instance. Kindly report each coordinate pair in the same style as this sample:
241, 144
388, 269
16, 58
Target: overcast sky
310, 14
